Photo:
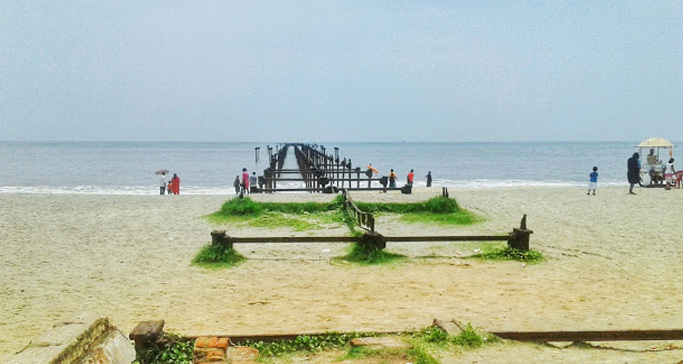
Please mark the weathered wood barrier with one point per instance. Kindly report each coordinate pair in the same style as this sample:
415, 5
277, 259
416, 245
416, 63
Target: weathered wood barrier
517, 239
364, 220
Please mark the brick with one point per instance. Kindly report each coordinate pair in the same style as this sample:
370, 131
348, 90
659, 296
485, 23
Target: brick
212, 342
201, 342
223, 343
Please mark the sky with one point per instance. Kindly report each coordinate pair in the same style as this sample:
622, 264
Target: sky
366, 71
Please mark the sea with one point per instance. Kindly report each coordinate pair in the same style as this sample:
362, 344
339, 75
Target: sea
128, 168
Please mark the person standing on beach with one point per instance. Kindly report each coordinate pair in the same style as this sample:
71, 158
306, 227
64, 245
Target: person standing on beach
175, 184
633, 173
392, 179
236, 184
410, 177
593, 184
162, 183
245, 180
429, 179
253, 181
669, 173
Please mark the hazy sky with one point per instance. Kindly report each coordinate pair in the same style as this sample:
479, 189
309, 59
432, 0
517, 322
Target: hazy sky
341, 71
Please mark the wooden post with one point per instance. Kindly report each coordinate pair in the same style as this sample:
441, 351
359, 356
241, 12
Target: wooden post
519, 238
221, 240
372, 241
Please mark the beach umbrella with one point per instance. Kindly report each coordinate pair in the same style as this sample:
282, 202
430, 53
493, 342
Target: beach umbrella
161, 171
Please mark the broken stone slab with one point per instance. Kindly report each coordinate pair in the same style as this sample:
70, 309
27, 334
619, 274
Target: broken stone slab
114, 348
380, 342
67, 342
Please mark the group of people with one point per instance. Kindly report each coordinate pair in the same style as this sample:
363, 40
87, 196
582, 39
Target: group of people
633, 173
244, 184
172, 187
393, 178
633, 167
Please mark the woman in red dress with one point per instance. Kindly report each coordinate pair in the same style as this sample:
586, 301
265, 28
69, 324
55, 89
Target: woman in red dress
175, 184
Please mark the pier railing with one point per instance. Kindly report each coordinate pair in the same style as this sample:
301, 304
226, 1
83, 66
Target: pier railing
364, 219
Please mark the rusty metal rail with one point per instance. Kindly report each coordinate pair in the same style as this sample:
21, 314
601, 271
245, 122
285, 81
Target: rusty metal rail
615, 335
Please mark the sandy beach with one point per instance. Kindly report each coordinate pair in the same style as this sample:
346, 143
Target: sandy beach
613, 262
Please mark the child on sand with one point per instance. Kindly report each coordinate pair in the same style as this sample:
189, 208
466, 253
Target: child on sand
593, 181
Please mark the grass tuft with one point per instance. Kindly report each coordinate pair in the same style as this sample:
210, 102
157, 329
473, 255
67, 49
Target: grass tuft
241, 206
332, 340
211, 256
419, 354
171, 348
364, 255
433, 334
507, 253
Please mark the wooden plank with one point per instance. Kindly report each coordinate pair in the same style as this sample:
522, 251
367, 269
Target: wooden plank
624, 335
405, 239
347, 239
294, 239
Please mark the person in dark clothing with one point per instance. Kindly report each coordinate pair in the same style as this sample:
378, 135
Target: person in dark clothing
237, 185
633, 173
429, 179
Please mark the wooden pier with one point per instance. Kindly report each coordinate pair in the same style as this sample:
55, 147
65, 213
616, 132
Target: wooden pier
318, 171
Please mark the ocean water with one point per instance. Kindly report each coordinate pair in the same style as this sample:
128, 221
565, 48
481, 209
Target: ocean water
210, 168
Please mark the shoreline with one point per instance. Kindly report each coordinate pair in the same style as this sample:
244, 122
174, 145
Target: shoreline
613, 263
229, 191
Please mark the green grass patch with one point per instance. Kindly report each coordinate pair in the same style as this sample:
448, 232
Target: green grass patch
247, 207
462, 217
420, 354
507, 253
299, 216
440, 210
470, 338
434, 335
305, 343
426, 346
362, 255
211, 256
436, 205
170, 349
269, 220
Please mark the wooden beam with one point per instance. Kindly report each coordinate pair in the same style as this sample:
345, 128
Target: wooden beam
405, 239
294, 239
348, 239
